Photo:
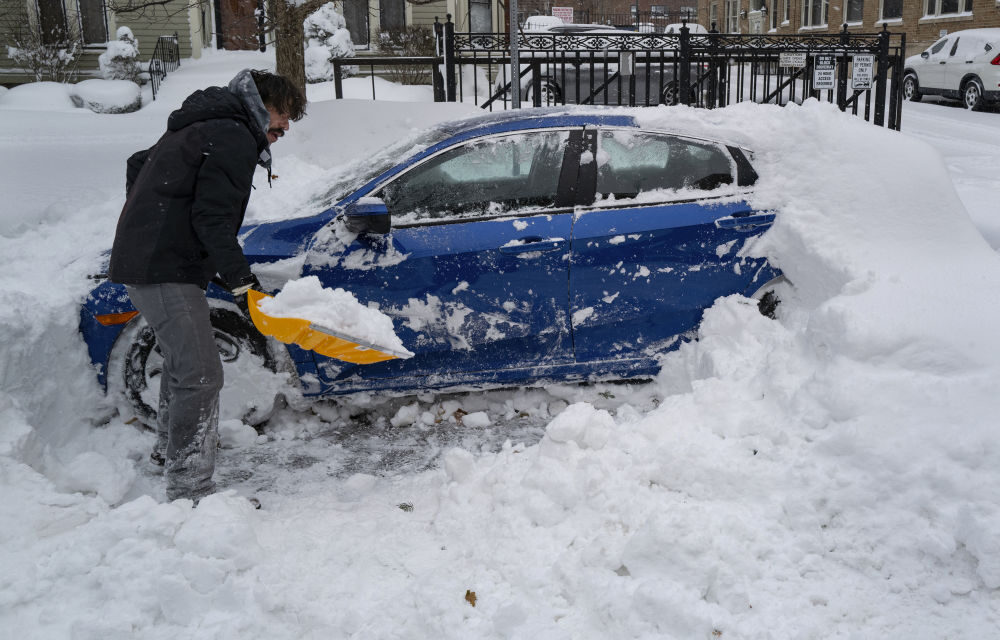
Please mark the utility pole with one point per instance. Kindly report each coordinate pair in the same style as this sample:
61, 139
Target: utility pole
515, 59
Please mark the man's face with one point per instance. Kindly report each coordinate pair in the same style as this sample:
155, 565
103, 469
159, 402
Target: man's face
278, 125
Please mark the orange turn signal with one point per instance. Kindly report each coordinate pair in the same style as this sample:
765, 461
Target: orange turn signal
109, 319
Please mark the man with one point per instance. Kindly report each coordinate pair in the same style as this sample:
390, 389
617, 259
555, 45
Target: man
185, 201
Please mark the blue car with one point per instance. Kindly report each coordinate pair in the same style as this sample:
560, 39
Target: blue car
511, 249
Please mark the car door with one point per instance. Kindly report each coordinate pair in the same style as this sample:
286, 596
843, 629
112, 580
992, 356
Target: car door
933, 72
660, 241
474, 270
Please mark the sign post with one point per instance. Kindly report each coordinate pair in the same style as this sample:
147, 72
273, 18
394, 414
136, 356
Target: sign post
863, 71
824, 69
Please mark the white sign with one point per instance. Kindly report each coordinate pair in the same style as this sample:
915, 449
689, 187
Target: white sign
790, 59
564, 13
863, 71
823, 72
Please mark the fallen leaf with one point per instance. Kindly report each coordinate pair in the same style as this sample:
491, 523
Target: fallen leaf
470, 597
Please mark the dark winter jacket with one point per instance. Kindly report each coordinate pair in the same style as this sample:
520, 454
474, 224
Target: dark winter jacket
187, 194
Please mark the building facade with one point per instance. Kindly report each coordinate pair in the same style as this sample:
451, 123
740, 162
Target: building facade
923, 21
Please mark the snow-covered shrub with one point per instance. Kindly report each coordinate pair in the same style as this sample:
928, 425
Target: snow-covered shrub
327, 37
56, 61
107, 96
121, 60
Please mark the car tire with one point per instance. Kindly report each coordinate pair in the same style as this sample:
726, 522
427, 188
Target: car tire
972, 95
671, 96
550, 93
911, 88
769, 296
136, 364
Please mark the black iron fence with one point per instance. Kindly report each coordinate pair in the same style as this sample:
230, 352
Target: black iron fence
166, 57
710, 70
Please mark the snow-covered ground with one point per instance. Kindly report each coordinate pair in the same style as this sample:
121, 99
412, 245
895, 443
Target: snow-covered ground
831, 474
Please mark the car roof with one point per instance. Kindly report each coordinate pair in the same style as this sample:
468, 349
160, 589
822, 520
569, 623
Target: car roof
540, 117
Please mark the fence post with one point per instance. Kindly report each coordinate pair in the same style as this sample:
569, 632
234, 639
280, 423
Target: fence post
842, 72
449, 57
437, 80
684, 73
883, 75
536, 83
715, 69
338, 84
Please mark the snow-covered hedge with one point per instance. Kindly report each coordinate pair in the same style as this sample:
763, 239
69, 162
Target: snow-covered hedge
107, 96
327, 37
121, 60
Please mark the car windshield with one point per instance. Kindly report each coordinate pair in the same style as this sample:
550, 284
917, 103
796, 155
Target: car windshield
360, 173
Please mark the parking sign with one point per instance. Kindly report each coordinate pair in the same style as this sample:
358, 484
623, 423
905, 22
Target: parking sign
863, 73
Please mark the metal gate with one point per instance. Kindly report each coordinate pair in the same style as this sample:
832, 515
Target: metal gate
704, 70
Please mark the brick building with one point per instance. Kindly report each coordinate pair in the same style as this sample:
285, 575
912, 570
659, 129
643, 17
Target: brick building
923, 21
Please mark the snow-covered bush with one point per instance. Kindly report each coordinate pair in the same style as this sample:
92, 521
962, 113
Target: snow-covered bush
107, 96
121, 60
327, 37
56, 61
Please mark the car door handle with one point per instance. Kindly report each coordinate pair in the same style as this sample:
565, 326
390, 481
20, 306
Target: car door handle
530, 244
744, 223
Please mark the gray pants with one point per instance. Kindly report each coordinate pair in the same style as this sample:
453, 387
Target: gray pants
187, 420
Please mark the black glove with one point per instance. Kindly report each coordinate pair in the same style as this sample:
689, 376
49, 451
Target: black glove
240, 293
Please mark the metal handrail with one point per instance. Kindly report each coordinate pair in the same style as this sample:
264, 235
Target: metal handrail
166, 57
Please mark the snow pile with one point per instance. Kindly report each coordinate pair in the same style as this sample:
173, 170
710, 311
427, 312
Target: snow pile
336, 310
831, 474
45, 96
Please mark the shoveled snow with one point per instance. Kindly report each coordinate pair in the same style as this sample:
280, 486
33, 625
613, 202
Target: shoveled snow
831, 474
334, 309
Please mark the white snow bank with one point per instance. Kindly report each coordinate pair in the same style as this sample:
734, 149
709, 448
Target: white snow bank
38, 96
336, 310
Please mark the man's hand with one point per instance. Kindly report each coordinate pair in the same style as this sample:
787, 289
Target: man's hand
240, 293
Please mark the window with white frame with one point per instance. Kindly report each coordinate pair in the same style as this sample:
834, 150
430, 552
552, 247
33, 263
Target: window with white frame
855, 10
713, 15
946, 7
732, 16
689, 13
788, 11
658, 9
814, 13
891, 10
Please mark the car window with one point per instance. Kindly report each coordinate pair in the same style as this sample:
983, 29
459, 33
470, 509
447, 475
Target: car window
954, 47
491, 176
632, 163
939, 45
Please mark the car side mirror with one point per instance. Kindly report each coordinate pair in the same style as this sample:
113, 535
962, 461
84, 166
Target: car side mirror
367, 215
925, 55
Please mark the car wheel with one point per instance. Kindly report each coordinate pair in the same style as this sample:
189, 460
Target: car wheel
911, 89
769, 296
671, 95
972, 95
550, 93
255, 370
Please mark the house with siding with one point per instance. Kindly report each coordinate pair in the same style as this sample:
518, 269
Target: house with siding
191, 20
200, 24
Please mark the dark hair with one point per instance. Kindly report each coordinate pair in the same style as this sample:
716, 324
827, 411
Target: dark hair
279, 93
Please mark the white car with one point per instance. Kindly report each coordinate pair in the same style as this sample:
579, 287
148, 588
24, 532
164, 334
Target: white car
964, 65
541, 23
693, 27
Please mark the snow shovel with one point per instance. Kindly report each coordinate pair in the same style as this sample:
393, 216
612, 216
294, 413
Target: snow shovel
314, 337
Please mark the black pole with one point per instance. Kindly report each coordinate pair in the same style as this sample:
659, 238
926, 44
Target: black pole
437, 80
883, 75
261, 36
684, 73
842, 73
449, 57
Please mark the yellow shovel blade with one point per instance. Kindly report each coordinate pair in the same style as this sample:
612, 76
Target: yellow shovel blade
314, 337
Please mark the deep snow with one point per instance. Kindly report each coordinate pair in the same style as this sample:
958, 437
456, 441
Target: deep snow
833, 473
